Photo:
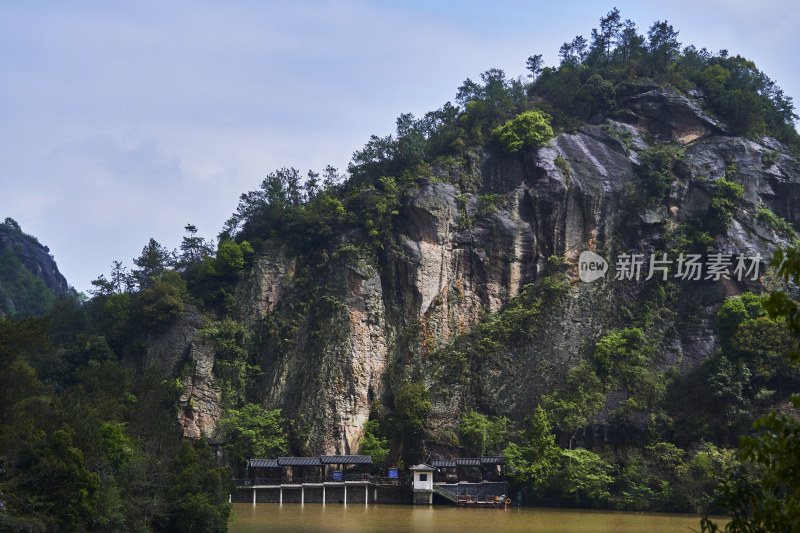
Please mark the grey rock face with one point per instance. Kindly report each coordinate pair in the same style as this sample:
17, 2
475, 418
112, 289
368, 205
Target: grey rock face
264, 284
332, 376
168, 350
199, 404
673, 117
177, 351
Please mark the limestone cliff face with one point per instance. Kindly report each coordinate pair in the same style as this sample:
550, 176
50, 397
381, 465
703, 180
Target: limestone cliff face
199, 404
328, 377
461, 255
180, 351
264, 284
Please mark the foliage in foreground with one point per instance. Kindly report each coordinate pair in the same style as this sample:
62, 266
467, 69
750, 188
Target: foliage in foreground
771, 501
95, 447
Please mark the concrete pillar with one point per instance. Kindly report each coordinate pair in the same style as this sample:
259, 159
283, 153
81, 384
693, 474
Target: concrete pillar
280, 497
302, 495
375, 495
366, 494
254, 496
345, 493
323, 494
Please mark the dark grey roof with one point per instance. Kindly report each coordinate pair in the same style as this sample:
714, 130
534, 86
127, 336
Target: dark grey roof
468, 461
493, 460
346, 459
263, 463
443, 463
299, 461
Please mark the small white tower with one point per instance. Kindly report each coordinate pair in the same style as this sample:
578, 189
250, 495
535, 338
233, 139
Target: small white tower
423, 484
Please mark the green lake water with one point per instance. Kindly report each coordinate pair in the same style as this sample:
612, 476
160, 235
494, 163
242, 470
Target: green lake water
357, 518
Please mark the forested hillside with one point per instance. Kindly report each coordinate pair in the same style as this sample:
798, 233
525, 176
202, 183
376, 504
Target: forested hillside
29, 279
427, 303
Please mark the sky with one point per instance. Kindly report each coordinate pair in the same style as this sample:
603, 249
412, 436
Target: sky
122, 121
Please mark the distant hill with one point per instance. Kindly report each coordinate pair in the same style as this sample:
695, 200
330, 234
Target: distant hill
29, 278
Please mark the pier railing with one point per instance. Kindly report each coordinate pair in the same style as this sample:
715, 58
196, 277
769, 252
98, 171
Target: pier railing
298, 480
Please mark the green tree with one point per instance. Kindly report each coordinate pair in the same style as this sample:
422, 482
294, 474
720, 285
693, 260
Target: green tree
154, 260
535, 64
631, 43
19, 386
574, 52
120, 278
734, 311
486, 104
569, 409
216, 276
771, 503
604, 41
231, 259
663, 44
699, 477
198, 490
193, 248
619, 350
374, 445
412, 406
480, 434
62, 486
584, 477
654, 174
117, 316
530, 129
253, 432
379, 207
533, 461
162, 301
726, 198
13, 224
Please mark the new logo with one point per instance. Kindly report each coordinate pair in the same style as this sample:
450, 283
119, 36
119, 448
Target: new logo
591, 266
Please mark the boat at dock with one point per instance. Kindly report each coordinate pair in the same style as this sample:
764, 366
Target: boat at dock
492, 502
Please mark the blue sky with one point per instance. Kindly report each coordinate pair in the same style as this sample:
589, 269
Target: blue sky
121, 121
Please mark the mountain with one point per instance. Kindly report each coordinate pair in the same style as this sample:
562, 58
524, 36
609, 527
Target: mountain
474, 290
437, 295
29, 277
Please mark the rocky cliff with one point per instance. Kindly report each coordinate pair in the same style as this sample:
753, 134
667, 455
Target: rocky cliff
336, 341
27, 271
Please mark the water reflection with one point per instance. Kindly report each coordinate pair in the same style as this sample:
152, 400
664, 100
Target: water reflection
333, 518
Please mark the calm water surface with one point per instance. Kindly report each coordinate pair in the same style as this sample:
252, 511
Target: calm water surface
440, 519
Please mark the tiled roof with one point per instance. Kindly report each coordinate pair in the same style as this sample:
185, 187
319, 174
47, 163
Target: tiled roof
299, 461
422, 468
263, 463
346, 459
468, 461
493, 460
312, 461
443, 463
